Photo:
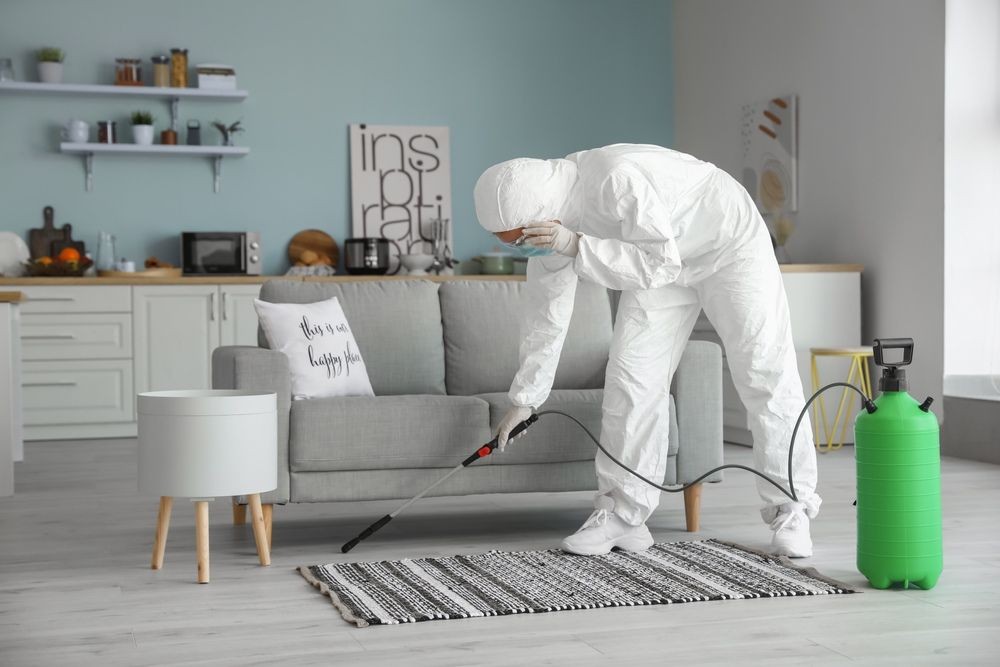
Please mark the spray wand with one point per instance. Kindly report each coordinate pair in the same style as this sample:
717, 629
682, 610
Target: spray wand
488, 448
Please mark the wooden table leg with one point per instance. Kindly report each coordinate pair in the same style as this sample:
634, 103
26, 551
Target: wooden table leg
259, 529
239, 513
692, 507
268, 520
162, 526
201, 538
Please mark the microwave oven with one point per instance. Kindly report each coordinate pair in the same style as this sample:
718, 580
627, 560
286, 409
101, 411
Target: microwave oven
221, 253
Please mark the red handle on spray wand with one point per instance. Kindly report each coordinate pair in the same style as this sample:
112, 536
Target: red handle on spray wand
480, 453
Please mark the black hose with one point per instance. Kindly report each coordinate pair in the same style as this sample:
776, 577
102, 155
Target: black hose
790, 491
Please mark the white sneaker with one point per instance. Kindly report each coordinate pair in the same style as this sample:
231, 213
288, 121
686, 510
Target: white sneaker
602, 532
791, 532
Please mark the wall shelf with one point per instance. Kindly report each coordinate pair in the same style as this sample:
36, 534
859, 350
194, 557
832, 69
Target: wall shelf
121, 91
171, 95
88, 151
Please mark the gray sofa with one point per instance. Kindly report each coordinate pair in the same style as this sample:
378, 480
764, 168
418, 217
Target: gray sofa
440, 357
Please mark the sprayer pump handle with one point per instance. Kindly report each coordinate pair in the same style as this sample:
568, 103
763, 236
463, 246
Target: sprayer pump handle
904, 344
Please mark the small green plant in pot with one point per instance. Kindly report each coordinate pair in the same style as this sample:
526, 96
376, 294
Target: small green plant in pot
50, 64
142, 128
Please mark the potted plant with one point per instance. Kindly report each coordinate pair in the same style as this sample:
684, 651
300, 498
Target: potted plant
142, 128
50, 64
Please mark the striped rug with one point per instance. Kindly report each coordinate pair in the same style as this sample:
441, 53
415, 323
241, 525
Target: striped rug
498, 583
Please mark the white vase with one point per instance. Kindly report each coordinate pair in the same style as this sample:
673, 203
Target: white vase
50, 72
142, 135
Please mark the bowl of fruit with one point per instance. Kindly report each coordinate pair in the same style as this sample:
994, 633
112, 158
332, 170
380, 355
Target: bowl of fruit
68, 263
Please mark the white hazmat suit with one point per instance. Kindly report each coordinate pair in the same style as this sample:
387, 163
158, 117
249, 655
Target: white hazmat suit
676, 235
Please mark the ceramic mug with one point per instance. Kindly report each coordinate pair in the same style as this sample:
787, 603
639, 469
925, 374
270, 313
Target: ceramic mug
76, 131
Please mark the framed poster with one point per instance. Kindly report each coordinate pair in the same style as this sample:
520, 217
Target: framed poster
770, 154
401, 187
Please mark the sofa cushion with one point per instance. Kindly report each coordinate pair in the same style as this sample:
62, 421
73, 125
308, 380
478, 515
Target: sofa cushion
385, 432
555, 439
397, 325
323, 355
481, 336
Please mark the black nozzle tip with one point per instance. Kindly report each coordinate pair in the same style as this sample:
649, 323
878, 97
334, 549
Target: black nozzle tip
350, 545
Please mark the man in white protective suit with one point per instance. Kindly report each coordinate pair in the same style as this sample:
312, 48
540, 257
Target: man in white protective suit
676, 235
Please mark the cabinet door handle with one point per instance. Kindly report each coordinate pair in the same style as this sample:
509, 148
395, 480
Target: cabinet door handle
48, 337
211, 307
53, 383
225, 315
51, 298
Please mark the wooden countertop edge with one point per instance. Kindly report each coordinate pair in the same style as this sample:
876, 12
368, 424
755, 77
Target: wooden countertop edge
256, 280
11, 297
822, 268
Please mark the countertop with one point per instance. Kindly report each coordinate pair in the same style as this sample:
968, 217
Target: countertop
11, 297
252, 280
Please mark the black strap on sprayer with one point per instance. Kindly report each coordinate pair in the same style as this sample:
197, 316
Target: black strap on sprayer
488, 448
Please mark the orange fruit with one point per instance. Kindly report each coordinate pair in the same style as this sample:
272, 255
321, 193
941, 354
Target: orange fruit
44, 261
69, 254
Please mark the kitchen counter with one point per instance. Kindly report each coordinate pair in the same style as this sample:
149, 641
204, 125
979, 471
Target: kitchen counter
253, 280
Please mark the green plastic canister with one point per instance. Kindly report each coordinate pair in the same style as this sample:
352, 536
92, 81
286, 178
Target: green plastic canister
897, 450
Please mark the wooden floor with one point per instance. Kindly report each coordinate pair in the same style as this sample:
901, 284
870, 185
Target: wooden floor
76, 588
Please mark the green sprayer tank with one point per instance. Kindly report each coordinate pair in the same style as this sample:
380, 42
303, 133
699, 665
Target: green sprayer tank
898, 454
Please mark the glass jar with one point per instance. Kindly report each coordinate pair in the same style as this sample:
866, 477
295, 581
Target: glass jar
105, 251
6, 69
179, 68
128, 72
161, 71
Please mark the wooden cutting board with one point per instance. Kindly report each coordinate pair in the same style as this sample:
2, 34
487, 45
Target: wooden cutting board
315, 240
40, 240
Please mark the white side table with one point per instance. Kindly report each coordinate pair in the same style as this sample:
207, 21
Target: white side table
200, 444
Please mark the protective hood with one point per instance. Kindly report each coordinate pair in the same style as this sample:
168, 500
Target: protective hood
514, 193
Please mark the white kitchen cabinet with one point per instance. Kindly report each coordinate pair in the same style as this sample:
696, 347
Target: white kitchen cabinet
176, 328
88, 348
825, 307
77, 393
238, 321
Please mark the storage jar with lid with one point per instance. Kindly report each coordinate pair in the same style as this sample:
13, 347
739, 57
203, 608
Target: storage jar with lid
161, 71
179, 68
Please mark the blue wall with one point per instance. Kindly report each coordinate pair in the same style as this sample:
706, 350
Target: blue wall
509, 77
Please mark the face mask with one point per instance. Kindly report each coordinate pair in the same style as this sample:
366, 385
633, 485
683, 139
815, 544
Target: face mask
532, 251
522, 249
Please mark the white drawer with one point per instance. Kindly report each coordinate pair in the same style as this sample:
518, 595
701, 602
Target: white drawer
77, 392
46, 336
76, 298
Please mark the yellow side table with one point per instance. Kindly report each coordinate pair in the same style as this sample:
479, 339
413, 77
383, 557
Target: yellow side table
859, 370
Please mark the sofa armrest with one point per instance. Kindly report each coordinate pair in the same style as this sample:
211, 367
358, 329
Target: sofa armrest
266, 371
697, 391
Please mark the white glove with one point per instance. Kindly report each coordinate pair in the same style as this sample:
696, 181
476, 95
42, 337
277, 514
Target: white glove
551, 234
514, 416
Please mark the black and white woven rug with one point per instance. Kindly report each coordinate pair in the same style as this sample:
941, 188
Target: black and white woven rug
498, 583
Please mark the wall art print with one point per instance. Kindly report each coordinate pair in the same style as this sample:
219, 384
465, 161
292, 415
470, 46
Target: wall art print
769, 131
400, 186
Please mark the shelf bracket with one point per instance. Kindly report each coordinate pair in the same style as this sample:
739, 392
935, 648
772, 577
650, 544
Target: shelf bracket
217, 169
175, 104
88, 165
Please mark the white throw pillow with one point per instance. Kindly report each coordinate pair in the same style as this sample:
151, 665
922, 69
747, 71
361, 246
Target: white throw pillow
323, 356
